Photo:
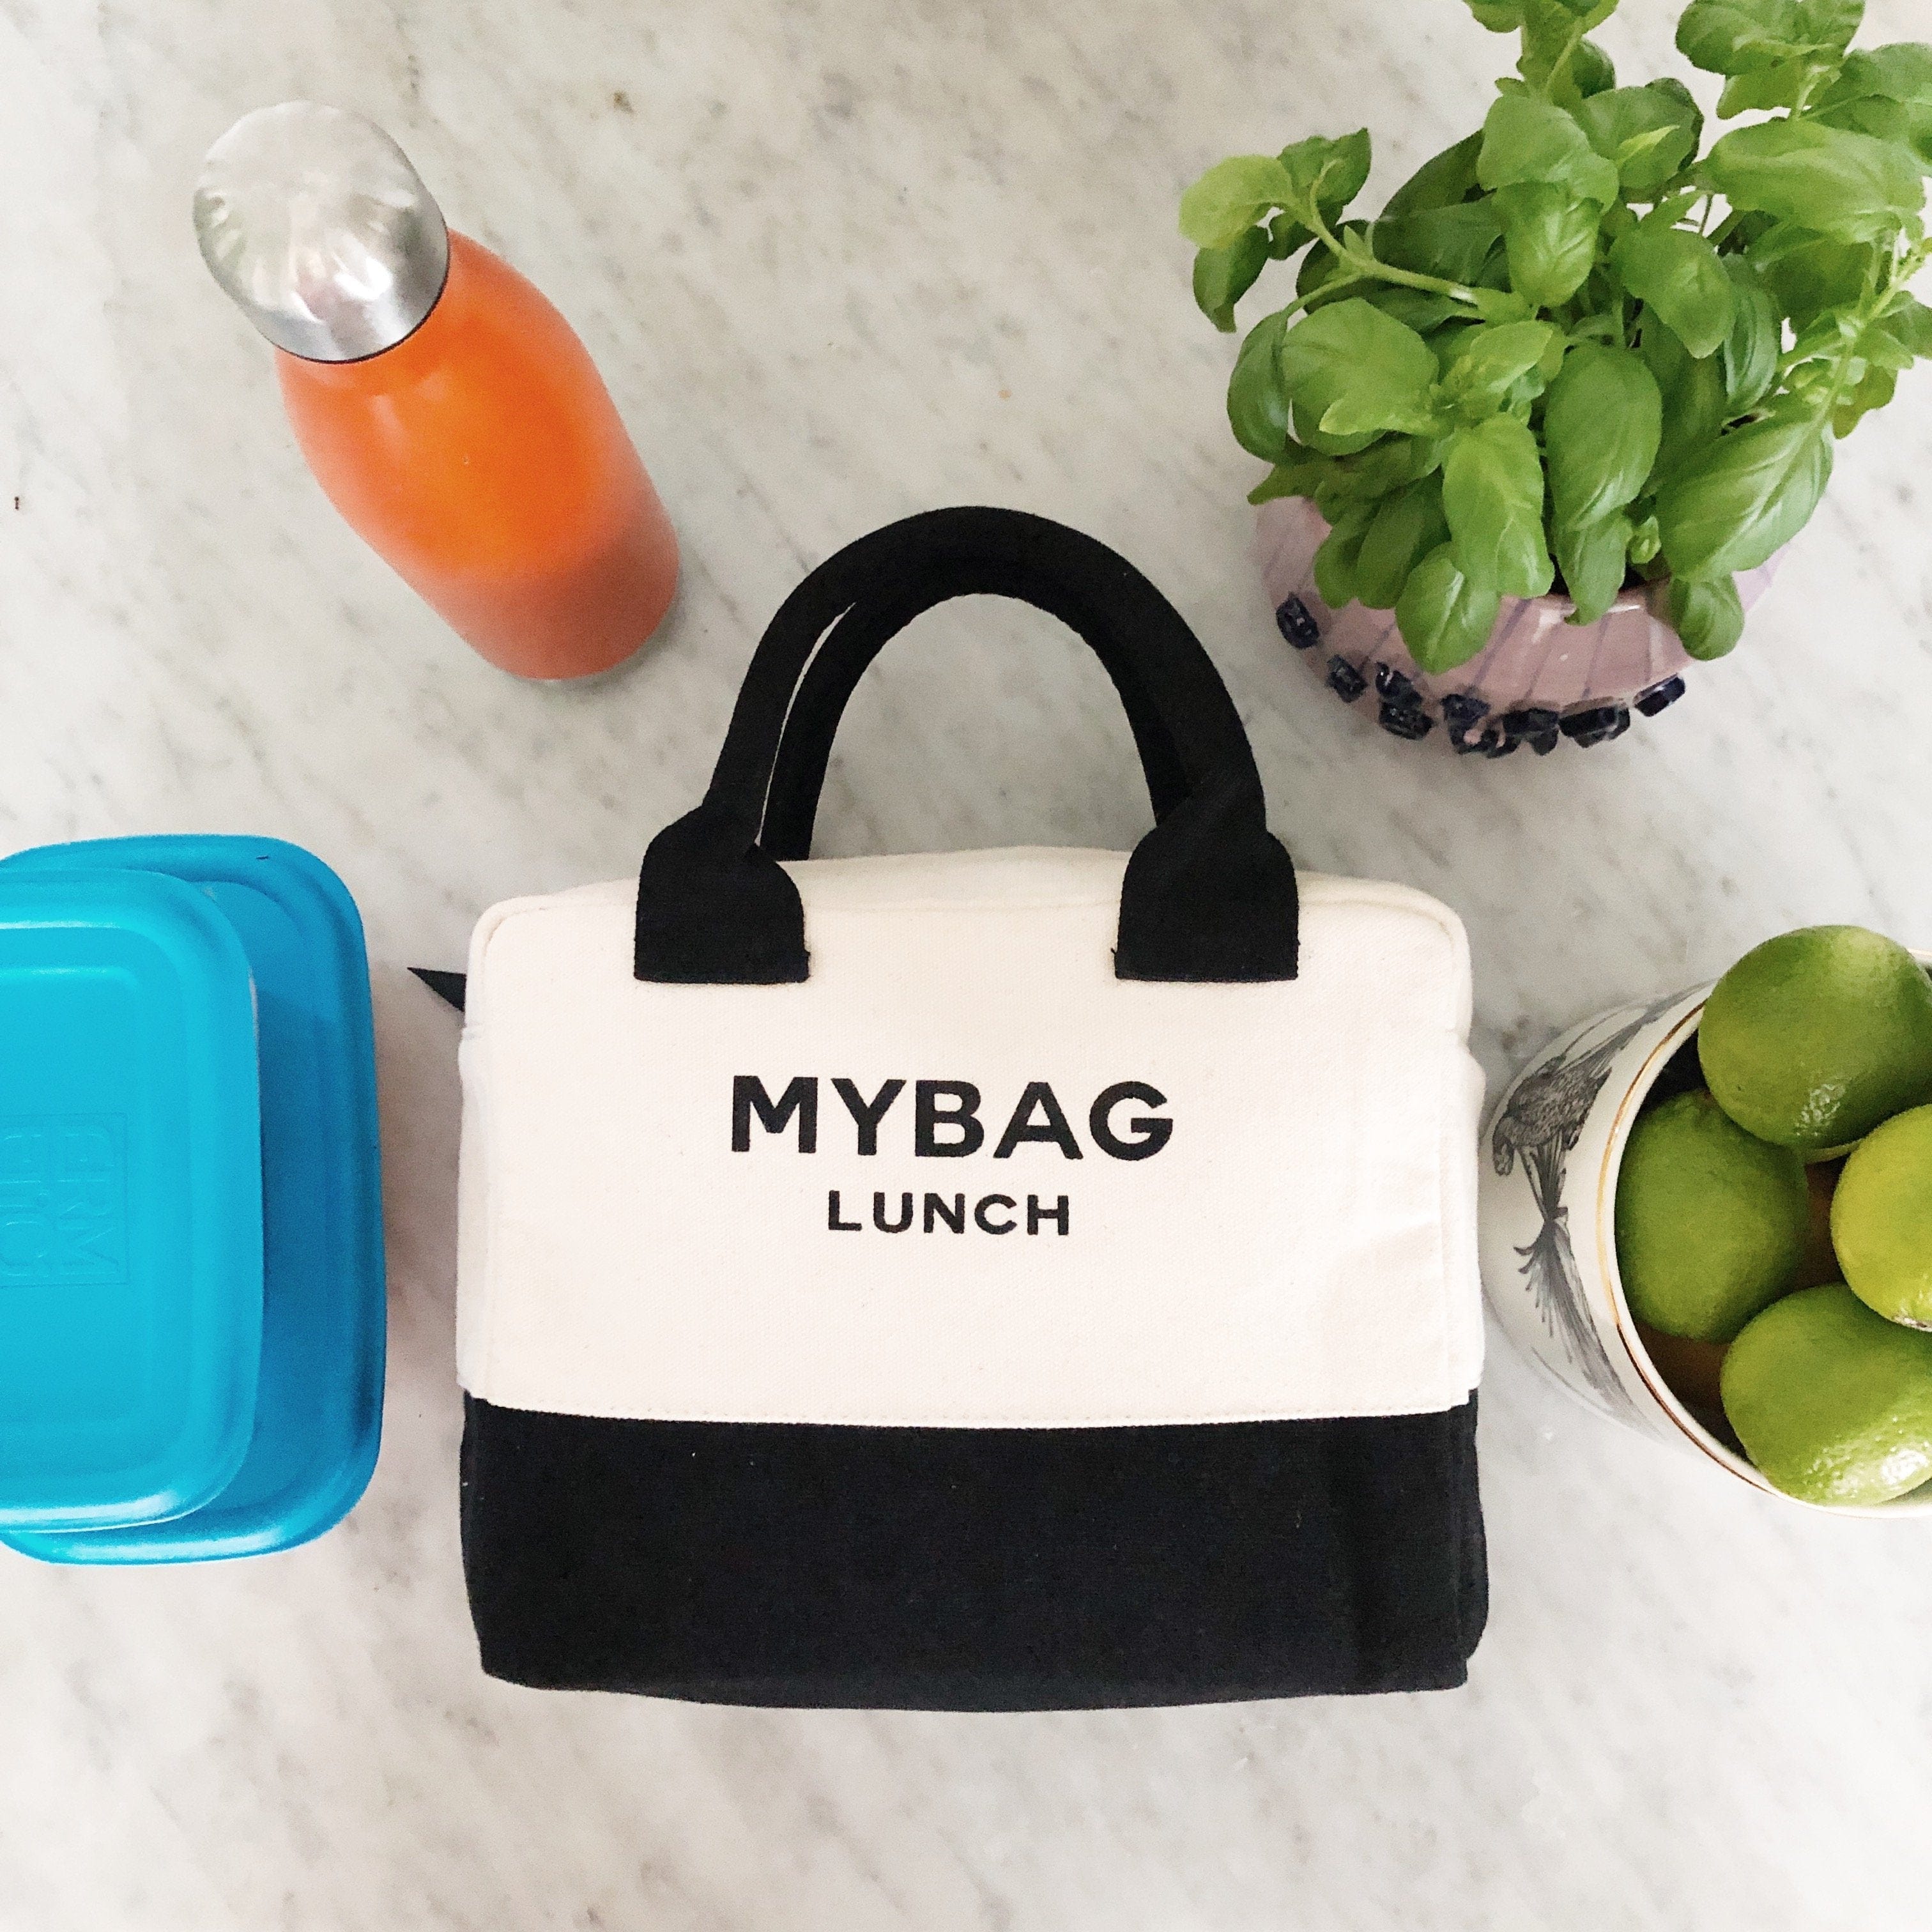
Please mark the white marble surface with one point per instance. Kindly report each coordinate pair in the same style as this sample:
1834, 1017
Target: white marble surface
841, 259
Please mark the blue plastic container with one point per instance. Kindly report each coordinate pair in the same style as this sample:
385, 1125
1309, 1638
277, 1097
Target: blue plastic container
130, 1202
315, 1370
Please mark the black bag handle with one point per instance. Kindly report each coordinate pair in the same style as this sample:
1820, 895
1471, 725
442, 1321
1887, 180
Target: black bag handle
851, 645
1209, 893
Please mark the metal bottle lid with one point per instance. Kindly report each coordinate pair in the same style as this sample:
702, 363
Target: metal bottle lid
316, 225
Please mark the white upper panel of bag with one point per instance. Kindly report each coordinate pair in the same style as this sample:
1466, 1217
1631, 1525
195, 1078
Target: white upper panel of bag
964, 1175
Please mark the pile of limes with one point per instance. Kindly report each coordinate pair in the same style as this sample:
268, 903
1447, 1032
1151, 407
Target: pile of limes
1774, 1227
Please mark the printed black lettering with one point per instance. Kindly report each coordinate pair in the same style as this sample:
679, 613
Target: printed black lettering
831, 1220
866, 1114
929, 1117
1022, 1127
954, 1216
748, 1096
1151, 1130
991, 1227
886, 1227
1059, 1213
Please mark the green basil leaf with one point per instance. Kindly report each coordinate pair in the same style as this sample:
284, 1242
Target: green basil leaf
1486, 362
1603, 422
1693, 392
1587, 14
1902, 72
1335, 499
1390, 465
1408, 526
1667, 213
1595, 559
1707, 614
1906, 123
1830, 179
1873, 391
1752, 348
1499, 304
1550, 240
1350, 362
1738, 36
1746, 36
1649, 132
1301, 473
1335, 561
1419, 309
1592, 70
1908, 321
1555, 63
1882, 350
1646, 540
1492, 496
1528, 139
1808, 389
1766, 87
1677, 274
1258, 399
1444, 614
1374, 411
1675, 89
1454, 242
1743, 496
1500, 17
1329, 172
1442, 182
1222, 276
1281, 481
1233, 196
1809, 274
1635, 152
1828, 26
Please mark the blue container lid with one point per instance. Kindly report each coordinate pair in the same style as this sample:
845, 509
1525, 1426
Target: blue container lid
130, 1199
319, 1404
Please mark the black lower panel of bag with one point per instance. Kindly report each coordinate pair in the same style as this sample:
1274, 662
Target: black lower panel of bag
974, 1569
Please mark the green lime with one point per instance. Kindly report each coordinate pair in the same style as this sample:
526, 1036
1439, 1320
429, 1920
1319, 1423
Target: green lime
1832, 1402
1881, 1219
1811, 1039
1711, 1223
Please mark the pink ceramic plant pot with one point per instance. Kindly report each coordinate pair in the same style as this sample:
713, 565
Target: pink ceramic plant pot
1538, 680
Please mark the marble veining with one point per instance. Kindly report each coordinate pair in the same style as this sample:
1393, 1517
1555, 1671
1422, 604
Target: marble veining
841, 259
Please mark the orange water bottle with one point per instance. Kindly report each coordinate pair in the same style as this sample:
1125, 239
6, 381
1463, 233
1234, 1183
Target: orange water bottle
446, 408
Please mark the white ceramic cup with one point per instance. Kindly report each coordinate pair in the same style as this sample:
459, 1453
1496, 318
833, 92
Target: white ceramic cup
1552, 1149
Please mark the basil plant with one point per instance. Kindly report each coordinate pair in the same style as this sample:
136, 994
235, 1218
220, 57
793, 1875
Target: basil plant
1577, 344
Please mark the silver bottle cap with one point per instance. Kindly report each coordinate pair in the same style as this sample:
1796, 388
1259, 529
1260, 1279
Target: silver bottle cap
313, 220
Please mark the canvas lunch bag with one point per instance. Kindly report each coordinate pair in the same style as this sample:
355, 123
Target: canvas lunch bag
974, 1280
